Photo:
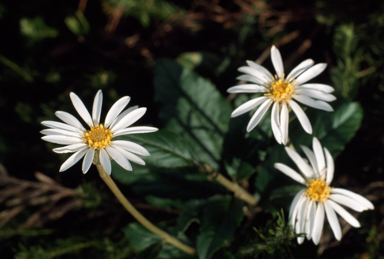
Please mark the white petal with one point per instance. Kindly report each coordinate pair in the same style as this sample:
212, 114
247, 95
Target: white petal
318, 150
318, 224
275, 122
129, 119
330, 166
131, 146
69, 119
130, 156
302, 220
122, 115
80, 108
358, 198
60, 132
258, 115
135, 130
303, 119
290, 172
296, 210
119, 158
295, 202
320, 87
70, 149
115, 110
251, 79
64, 140
104, 161
321, 105
316, 94
284, 120
88, 159
59, 125
332, 219
260, 76
347, 201
310, 73
312, 159
344, 214
259, 67
299, 161
247, 106
73, 159
277, 61
247, 88
96, 109
300, 68
311, 219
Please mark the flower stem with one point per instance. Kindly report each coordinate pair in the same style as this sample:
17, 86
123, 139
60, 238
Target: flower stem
238, 191
140, 218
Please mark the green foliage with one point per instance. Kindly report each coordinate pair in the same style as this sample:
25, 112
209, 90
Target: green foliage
78, 24
36, 29
274, 239
48, 50
189, 108
146, 10
349, 58
220, 218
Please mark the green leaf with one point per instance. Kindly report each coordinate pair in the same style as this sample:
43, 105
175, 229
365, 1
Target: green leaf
243, 151
193, 108
333, 129
77, 24
140, 237
36, 29
129, 177
152, 251
167, 149
220, 218
179, 185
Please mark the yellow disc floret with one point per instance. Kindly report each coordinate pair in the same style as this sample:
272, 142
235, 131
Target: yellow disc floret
280, 90
98, 137
318, 190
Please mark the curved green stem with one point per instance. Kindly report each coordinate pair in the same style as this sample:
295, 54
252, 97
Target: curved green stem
139, 217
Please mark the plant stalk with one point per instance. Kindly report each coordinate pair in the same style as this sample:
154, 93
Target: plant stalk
238, 191
139, 217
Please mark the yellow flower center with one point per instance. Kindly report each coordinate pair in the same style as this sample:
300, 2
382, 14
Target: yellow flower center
318, 190
98, 137
280, 90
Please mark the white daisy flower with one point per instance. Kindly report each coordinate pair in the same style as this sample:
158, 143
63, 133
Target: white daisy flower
98, 140
317, 198
282, 93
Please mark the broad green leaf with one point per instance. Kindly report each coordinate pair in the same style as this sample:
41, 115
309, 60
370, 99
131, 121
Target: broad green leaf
140, 237
165, 203
152, 245
333, 129
152, 251
193, 108
36, 29
243, 151
219, 220
179, 185
130, 177
167, 149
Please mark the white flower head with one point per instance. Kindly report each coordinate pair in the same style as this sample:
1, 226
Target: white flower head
98, 140
282, 93
317, 199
